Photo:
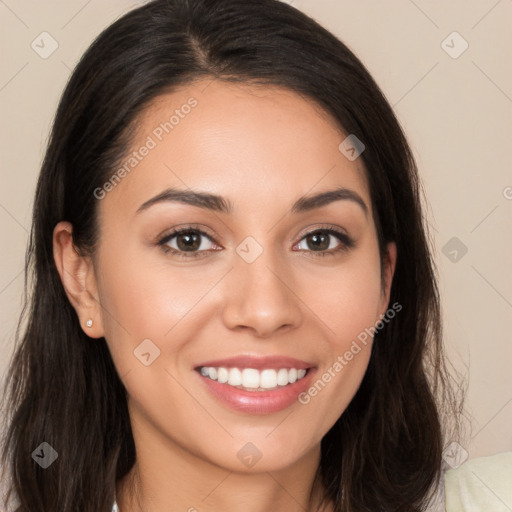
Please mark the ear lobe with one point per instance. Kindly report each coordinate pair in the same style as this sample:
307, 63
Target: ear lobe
77, 276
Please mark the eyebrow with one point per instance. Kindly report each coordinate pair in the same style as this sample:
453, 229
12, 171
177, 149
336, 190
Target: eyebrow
217, 203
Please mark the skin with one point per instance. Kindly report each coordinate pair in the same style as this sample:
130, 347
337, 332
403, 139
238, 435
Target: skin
250, 145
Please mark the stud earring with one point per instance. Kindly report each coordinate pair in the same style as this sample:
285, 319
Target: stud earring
89, 322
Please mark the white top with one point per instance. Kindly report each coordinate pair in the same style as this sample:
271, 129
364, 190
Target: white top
480, 484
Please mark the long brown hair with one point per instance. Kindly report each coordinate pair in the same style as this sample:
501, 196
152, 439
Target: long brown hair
385, 451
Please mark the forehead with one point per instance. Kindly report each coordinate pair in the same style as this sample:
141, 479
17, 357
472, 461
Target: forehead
251, 142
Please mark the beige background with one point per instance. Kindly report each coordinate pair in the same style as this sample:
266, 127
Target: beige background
456, 112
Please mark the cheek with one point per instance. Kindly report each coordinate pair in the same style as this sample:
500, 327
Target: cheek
347, 298
139, 302
348, 303
143, 297
139, 288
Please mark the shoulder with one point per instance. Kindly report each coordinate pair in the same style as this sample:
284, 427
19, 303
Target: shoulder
480, 484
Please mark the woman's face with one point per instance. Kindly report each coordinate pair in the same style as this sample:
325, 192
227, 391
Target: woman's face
258, 288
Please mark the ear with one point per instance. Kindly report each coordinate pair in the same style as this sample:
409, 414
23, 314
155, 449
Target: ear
78, 279
389, 265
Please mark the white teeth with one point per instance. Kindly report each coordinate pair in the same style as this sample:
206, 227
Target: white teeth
268, 379
252, 379
235, 377
282, 377
222, 375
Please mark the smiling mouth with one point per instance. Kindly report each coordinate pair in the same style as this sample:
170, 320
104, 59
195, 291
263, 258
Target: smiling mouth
251, 379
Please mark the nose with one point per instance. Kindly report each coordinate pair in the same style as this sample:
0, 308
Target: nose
260, 297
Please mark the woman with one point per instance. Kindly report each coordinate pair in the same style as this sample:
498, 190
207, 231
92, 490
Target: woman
234, 301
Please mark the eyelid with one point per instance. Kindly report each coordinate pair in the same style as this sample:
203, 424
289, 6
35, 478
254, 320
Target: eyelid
162, 241
176, 230
346, 241
321, 227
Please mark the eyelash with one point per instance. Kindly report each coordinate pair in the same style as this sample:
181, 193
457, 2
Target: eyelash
346, 242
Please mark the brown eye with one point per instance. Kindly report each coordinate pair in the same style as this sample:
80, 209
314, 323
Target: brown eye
187, 242
318, 241
321, 241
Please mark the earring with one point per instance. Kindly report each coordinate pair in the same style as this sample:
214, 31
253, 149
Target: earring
89, 322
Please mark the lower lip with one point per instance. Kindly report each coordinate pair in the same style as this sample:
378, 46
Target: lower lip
258, 402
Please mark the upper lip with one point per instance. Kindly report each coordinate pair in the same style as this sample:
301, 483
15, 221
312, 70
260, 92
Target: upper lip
257, 362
